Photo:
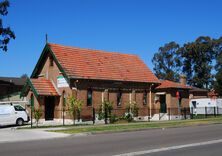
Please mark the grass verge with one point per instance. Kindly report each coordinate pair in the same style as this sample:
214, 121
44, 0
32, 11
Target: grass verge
138, 126
51, 126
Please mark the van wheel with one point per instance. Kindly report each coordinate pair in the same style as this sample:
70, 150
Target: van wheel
19, 122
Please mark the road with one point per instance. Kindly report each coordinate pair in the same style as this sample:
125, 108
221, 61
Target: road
207, 150
198, 140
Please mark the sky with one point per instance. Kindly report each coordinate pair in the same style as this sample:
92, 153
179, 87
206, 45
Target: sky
128, 26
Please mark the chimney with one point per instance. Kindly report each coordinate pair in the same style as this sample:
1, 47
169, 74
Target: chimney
183, 79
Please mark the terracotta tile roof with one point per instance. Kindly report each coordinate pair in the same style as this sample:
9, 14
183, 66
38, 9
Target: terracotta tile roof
96, 64
195, 89
44, 87
170, 84
212, 93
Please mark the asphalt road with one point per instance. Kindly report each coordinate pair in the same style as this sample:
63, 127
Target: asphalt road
207, 150
120, 143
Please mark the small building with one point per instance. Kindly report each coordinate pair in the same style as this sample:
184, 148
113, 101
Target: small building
10, 88
90, 75
197, 93
171, 95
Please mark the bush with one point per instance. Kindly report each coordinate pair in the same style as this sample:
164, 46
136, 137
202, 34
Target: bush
105, 110
113, 119
132, 109
75, 107
37, 115
129, 117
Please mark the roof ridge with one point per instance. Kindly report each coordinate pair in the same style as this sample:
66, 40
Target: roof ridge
172, 84
89, 49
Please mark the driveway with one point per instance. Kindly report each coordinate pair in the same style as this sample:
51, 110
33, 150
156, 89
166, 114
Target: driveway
12, 134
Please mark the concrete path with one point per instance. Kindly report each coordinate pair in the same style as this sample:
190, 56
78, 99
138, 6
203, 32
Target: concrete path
13, 134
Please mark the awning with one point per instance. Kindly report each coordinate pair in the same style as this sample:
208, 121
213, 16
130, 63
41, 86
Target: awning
39, 86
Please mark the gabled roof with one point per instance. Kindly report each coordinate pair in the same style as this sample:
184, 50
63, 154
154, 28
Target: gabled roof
40, 86
44, 87
170, 84
13, 80
195, 89
82, 63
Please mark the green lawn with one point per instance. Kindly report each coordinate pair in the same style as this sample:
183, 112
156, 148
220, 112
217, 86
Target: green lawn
138, 126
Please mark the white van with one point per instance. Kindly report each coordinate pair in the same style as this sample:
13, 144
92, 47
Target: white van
11, 114
206, 105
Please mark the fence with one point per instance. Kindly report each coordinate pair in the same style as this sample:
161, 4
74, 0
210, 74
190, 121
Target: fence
92, 115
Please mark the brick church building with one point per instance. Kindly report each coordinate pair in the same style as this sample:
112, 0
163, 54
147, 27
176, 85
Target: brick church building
94, 76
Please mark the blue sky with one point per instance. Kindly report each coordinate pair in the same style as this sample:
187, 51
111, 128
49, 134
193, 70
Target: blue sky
128, 26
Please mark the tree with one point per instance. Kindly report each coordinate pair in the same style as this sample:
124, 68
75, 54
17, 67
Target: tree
5, 32
197, 61
24, 76
132, 111
75, 107
167, 64
37, 116
218, 66
105, 110
132, 108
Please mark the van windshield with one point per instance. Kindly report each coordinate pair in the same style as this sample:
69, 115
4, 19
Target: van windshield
18, 108
194, 104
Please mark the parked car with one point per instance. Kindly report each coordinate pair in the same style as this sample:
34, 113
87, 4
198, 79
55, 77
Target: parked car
13, 114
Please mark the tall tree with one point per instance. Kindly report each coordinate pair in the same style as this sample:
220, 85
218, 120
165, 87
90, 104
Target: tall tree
197, 61
24, 76
5, 32
167, 64
218, 66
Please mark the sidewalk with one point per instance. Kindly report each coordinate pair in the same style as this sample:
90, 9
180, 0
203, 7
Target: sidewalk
17, 135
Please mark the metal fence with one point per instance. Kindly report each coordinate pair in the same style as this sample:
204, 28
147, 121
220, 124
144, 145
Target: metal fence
93, 115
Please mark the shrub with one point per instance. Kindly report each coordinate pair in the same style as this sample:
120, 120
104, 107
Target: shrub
113, 119
132, 108
105, 110
129, 117
75, 107
37, 115
132, 111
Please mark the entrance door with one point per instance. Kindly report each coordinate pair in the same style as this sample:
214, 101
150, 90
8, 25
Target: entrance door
163, 104
49, 107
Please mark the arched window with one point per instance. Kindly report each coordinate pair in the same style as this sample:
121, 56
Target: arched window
119, 98
89, 97
145, 97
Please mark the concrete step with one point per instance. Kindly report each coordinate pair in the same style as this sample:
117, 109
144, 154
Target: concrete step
161, 116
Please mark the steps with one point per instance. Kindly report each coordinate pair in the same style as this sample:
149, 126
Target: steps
161, 116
